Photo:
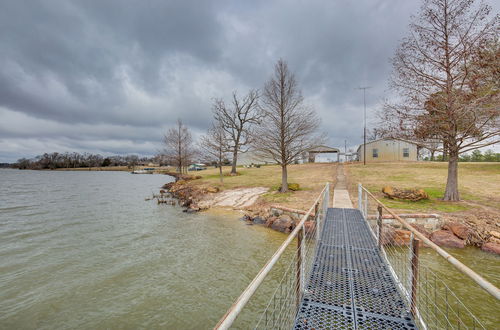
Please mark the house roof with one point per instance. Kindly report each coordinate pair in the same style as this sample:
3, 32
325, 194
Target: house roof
323, 149
386, 139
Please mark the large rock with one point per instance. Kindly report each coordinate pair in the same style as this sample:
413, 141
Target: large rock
402, 237
388, 234
258, 220
270, 221
407, 194
212, 190
284, 224
309, 226
460, 230
421, 229
446, 238
491, 247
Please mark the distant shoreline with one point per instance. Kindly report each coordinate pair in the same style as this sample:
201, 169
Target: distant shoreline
159, 170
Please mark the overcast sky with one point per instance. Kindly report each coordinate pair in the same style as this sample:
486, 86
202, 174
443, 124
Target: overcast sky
110, 77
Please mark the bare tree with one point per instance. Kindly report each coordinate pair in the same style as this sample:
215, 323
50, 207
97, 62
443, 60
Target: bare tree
374, 134
215, 145
178, 146
288, 127
237, 120
445, 96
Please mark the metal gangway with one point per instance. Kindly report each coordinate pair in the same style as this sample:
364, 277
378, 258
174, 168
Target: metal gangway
343, 268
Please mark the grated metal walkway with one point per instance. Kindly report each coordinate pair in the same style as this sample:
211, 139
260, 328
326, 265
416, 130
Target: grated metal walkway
350, 286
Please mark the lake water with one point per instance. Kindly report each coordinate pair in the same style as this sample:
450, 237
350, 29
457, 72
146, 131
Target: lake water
85, 250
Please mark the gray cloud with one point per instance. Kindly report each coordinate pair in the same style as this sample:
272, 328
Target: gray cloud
112, 76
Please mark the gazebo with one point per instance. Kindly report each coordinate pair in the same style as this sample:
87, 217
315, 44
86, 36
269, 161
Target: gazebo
322, 150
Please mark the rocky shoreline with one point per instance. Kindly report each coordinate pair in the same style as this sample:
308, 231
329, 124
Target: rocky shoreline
451, 234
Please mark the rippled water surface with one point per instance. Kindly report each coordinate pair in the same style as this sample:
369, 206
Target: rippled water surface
85, 250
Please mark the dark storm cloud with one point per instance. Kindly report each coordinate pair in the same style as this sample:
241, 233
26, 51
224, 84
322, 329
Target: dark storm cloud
112, 76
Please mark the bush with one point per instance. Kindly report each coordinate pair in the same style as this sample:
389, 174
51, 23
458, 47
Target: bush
292, 187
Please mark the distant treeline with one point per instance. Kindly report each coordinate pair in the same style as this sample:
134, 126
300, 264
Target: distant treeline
475, 156
74, 159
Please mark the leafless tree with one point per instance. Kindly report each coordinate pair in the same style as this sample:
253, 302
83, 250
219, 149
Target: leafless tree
288, 128
374, 134
215, 146
178, 146
237, 120
447, 94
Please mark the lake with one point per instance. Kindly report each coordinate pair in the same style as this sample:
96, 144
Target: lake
85, 250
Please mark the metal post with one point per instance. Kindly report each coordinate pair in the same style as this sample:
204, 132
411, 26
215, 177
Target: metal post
366, 206
360, 196
415, 242
303, 263
298, 272
379, 225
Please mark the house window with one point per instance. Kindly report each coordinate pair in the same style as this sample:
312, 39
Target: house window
375, 153
406, 152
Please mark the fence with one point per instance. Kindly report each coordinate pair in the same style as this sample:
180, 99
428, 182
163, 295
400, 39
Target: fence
431, 300
281, 309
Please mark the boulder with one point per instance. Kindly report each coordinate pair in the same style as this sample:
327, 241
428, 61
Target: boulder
446, 238
258, 220
421, 229
460, 230
309, 226
406, 194
284, 224
212, 190
270, 221
401, 237
491, 247
388, 234
245, 218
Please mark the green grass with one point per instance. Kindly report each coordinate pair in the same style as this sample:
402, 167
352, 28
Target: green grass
432, 204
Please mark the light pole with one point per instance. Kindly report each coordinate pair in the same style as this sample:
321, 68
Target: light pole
364, 130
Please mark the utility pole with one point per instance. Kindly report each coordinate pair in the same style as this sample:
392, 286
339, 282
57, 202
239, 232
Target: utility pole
364, 130
345, 150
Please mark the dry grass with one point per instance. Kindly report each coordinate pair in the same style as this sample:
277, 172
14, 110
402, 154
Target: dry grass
479, 184
310, 177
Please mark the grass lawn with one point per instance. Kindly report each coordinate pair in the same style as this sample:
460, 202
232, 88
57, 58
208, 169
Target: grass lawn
310, 177
479, 184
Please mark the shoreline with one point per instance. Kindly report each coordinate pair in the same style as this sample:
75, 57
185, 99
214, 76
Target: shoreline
196, 198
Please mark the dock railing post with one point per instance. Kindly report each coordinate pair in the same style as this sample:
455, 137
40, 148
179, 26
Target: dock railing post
366, 207
379, 226
360, 197
415, 242
298, 271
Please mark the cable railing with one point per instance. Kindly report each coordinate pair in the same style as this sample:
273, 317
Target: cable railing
432, 302
281, 309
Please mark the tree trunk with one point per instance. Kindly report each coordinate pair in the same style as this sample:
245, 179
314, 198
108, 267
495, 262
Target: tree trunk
284, 179
235, 159
220, 173
432, 155
451, 193
445, 151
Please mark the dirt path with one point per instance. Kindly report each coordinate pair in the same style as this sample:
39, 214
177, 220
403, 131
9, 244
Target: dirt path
340, 194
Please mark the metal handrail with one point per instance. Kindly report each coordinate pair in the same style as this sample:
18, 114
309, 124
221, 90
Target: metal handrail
227, 320
483, 283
